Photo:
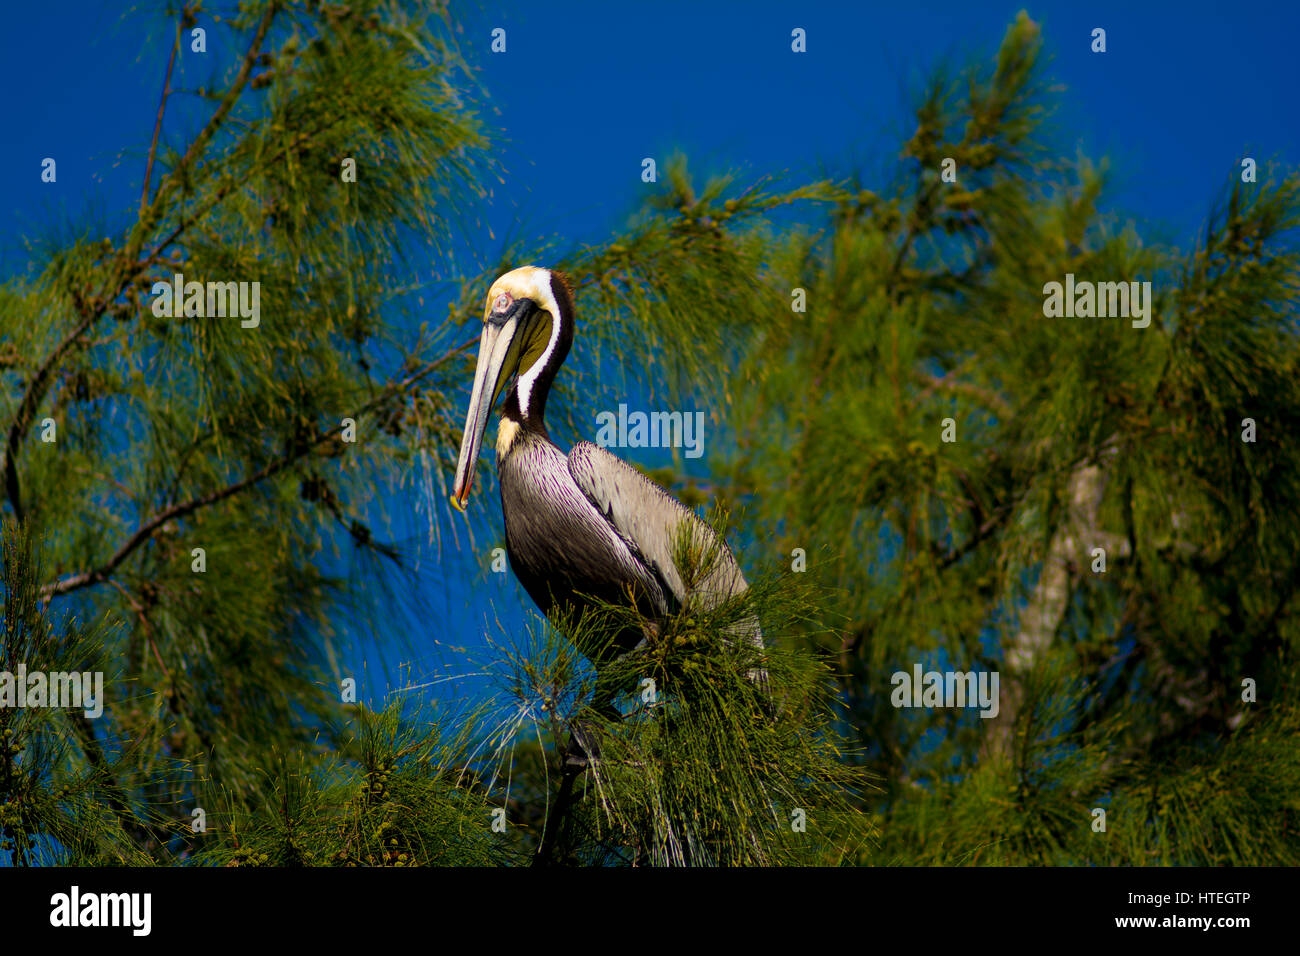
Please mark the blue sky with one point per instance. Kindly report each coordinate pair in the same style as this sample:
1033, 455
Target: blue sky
586, 90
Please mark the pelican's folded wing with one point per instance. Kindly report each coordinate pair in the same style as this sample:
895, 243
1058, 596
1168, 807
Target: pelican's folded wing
648, 518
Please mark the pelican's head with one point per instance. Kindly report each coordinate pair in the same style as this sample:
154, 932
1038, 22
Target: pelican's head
527, 328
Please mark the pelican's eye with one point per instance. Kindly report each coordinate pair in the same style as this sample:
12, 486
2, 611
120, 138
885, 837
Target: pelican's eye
502, 303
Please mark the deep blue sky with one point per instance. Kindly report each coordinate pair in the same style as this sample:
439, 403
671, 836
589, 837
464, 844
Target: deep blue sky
588, 89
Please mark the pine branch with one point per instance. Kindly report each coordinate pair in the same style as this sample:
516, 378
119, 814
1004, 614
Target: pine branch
146, 530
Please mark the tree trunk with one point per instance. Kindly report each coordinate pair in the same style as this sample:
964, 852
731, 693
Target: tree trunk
1069, 556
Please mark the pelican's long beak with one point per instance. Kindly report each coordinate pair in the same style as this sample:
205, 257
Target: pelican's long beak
497, 349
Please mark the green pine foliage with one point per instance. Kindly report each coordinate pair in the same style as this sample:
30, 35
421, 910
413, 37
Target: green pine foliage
397, 794
1071, 434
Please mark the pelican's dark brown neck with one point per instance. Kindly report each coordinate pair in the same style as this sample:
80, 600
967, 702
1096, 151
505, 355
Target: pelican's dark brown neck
526, 403
511, 412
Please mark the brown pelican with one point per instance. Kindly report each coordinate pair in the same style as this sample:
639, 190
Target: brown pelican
585, 525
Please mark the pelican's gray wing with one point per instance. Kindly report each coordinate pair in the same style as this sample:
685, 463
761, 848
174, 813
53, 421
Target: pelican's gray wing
648, 519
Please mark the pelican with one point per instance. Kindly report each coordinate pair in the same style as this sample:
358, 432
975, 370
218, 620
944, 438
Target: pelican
585, 526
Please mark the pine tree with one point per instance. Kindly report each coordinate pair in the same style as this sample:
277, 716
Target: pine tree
1080, 504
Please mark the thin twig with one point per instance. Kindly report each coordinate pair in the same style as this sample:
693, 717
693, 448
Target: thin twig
32, 397
157, 125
